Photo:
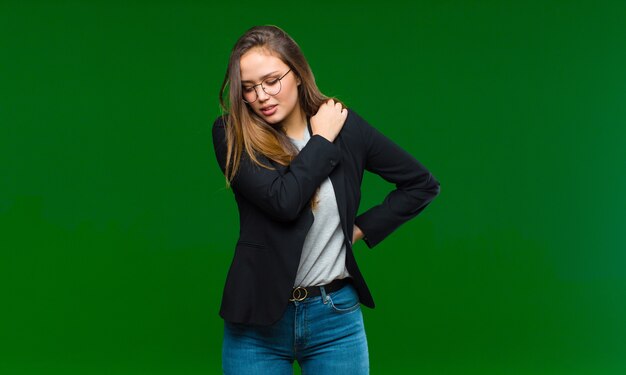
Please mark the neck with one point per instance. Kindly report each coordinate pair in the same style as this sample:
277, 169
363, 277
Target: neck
295, 125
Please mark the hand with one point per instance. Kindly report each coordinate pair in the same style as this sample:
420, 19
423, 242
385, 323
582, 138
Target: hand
357, 234
329, 120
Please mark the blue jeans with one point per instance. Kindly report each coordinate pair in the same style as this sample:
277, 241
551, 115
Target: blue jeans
325, 334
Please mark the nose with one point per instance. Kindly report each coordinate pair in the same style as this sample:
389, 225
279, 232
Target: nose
261, 94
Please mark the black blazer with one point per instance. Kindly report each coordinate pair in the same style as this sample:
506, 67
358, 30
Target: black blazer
275, 216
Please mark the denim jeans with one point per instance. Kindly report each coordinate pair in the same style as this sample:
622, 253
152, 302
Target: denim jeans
325, 334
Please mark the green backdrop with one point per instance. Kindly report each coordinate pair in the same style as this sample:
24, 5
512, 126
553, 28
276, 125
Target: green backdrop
117, 232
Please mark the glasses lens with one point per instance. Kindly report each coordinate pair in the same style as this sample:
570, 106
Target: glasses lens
271, 86
249, 94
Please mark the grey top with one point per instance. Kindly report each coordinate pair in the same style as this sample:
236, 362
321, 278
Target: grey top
324, 252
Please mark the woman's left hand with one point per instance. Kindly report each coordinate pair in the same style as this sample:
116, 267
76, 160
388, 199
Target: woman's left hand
357, 234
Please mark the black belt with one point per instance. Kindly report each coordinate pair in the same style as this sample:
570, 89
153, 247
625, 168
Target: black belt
300, 293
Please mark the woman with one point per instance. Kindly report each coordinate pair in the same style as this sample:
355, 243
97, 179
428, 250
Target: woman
294, 159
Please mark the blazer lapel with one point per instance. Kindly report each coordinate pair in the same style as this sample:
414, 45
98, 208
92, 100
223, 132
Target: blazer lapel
337, 177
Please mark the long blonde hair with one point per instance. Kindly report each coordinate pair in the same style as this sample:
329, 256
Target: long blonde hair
247, 131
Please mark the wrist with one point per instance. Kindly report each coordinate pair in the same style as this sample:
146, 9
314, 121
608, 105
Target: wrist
326, 136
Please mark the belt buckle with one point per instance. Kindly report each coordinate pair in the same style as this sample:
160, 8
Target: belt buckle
298, 294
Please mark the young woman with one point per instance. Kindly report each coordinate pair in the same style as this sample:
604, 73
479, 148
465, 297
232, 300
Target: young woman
295, 159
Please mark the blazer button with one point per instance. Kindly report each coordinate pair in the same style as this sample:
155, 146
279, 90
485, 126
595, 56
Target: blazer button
333, 163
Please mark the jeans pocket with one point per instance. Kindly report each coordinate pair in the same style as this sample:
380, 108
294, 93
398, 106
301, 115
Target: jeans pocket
344, 300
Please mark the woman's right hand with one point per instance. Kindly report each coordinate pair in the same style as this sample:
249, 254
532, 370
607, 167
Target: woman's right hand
329, 119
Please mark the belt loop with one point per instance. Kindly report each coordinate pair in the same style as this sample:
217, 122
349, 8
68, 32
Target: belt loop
323, 294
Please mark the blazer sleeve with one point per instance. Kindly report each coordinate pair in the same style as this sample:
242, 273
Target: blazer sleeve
280, 194
415, 188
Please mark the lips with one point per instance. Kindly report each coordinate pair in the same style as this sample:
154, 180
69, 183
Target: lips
269, 110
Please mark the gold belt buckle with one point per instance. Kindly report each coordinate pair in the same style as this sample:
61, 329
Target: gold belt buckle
298, 294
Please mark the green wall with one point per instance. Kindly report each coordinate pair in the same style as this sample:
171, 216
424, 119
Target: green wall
117, 232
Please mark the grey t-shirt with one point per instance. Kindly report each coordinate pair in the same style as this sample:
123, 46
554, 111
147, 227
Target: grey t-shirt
324, 252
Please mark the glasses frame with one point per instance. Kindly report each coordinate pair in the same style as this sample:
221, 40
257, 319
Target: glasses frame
280, 83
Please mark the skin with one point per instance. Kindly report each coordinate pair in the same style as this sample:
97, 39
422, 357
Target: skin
255, 65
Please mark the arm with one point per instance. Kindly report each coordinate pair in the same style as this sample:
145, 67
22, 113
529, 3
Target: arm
415, 188
282, 196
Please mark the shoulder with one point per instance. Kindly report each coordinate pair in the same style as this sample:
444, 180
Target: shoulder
356, 121
220, 121
219, 128
353, 116
219, 134
356, 124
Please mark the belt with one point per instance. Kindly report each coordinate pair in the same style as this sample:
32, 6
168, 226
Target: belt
300, 293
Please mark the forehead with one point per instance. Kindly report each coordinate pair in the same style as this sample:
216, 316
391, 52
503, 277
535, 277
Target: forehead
257, 63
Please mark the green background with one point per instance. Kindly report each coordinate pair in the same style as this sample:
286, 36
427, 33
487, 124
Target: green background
117, 232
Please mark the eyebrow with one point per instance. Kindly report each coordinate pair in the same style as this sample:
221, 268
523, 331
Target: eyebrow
262, 78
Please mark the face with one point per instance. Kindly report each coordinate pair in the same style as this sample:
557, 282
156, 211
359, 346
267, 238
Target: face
257, 65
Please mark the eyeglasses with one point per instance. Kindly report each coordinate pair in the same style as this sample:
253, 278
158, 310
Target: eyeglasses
270, 85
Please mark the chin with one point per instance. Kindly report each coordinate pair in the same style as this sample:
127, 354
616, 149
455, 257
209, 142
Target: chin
273, 120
